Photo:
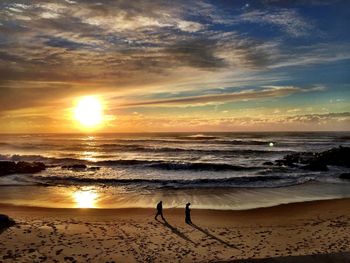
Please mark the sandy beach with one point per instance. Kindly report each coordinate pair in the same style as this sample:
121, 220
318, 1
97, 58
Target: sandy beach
318, 228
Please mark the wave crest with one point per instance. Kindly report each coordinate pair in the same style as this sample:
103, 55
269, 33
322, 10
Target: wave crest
270, 181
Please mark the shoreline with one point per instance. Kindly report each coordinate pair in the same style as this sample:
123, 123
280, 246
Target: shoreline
206, 198
283, 206
132, 234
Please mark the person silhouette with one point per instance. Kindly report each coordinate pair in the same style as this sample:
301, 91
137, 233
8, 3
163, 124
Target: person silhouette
188, 214
159, 210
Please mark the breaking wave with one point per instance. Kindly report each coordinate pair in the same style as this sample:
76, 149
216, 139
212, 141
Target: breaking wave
251, 181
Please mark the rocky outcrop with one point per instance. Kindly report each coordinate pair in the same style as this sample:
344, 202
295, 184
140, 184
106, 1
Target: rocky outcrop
294, 159
75, 167
5, 222
316, 165
317, 161
9, 167
268, 163
345, 176
336, 156
94, 168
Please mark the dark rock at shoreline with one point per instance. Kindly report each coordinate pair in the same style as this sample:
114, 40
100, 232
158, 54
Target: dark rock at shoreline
317, 161
26, 167
316, 165
94, 168
296, 158
5, 222
9, 167
345, 176
336, 156
75, 167
268, 163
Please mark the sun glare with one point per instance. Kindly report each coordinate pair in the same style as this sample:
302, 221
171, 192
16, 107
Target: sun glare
88, 112
85, 199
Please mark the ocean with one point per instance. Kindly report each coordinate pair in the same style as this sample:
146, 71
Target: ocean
211, 170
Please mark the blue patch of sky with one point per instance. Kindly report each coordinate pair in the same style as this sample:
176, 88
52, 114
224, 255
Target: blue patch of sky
315, 99
329, 74
65, 43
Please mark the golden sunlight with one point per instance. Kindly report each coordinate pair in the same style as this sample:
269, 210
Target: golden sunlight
88, 112
85, 199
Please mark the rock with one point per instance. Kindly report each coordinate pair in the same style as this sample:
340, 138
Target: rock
284, 162
25, 167
5, 222
316, 165
94, 168
336, 156
318, 161
296, 158
268, 163
345, 176
9, 167
75, 167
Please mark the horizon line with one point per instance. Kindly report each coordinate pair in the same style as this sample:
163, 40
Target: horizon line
154, 132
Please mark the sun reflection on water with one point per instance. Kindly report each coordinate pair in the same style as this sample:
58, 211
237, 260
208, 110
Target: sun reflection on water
88, 156
85, 198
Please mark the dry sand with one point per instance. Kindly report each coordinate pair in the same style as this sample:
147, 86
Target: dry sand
132, 235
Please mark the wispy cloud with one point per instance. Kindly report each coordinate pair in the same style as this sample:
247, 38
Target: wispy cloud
53, 51
229, 122
267, 92
286, 19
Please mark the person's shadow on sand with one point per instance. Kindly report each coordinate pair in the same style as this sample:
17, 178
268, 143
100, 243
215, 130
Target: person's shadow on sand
176, 231
211, 235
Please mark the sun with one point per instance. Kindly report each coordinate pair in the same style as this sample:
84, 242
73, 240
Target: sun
85, 199
89, 112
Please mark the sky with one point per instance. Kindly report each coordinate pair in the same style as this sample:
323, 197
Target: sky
157, 66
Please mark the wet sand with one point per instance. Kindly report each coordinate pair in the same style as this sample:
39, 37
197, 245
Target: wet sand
318, 228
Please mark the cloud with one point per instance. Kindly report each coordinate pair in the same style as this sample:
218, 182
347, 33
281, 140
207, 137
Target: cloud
64, 43
190, 26
29, 97
198, 53
318, 118
230, 122
53, 51
288, 20
131, 42
315, 54
268, 92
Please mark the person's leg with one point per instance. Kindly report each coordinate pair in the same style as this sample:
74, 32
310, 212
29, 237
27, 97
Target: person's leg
162, 216
156, 216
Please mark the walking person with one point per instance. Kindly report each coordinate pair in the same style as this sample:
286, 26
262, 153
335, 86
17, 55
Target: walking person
159, 211
188, 214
